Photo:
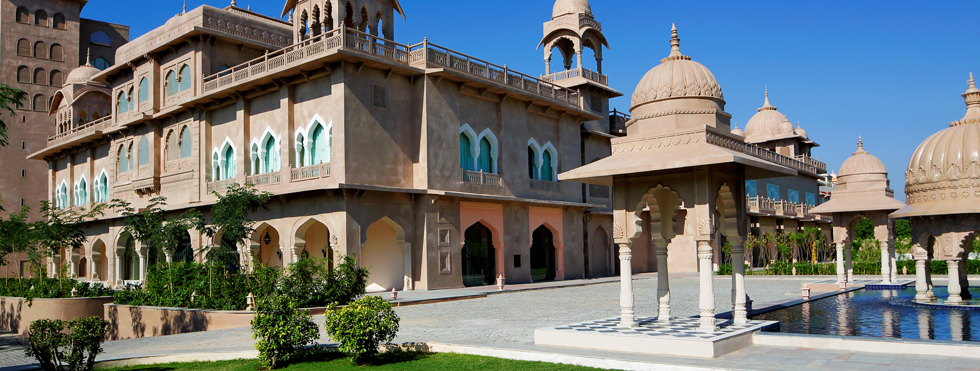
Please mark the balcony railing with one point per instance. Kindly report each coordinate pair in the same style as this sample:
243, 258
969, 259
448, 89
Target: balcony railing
80, 130
427, 53
308, 50
420, 55
475, 177
599, 191
577, 72
810, 166
544, 185
263, 179
761, 205
310, 172
768, 206
220, 185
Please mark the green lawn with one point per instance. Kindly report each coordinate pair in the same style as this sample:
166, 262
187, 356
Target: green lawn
389, 361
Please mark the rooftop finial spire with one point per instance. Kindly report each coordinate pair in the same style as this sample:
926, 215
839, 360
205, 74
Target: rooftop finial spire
860, 150
765, 105
185, 8
675, 46
972, 98
234, 3
88, 57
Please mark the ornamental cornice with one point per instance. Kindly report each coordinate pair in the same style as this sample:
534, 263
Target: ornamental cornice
858, 194
952, 195
714, 111
937, 175
644, 144
949, 184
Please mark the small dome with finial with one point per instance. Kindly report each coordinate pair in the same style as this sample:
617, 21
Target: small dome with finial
736, 130
799, 131
563, 7
82, 74
768, 124
861, 162
677, 76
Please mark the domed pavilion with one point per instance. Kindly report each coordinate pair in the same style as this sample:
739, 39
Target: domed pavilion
678, 180
863, 191
942, 186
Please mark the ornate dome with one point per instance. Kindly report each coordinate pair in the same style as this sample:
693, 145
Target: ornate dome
768, 124
862, 162
799, 131
676, 76
81, 75
563, 7
736, 130
946, 166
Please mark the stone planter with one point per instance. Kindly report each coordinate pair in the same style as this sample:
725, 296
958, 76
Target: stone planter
16, 315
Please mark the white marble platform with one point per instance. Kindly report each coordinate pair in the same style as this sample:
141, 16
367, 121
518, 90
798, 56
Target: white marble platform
678, 337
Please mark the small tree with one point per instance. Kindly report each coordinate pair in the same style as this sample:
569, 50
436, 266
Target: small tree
15, 233
58, 229
362, 326
66, 345
230, 222
281, 329
9, 99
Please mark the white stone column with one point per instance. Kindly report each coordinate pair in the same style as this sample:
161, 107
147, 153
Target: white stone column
739, 314
627, 317
847, 261
841, 270
663, 281
921, 286
707, 301
120, 254
886, 263
407, 265
894, 262
954, 282
141, 251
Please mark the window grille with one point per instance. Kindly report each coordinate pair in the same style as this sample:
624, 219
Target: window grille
380, 97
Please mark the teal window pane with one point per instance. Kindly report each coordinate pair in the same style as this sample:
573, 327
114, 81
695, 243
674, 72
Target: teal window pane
270, 149
773, 191
317, 144
82, 192
185, 143
121, 105
793, 196
546, 168
171, 86
185, 78
811, 199
228, 164
144, 151
750, 188
144, 92
486, 164
465, 153
122, 161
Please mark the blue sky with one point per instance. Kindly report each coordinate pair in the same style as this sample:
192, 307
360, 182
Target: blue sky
891, 71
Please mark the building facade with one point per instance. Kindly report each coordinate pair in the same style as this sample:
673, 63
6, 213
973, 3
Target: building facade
42, 41
783, 203
434, 168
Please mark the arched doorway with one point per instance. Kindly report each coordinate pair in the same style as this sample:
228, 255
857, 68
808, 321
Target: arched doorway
130, 260
82, 264
99, 261
184, 252
270, 253
542, 255
382, 253
314, 238
601, 257
478, 256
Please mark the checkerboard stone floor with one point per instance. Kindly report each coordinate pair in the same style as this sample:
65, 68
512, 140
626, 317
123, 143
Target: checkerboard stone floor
677, 328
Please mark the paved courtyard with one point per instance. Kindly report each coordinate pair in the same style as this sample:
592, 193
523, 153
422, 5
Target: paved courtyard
508, 320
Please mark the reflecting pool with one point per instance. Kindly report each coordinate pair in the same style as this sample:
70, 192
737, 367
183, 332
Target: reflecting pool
887, 313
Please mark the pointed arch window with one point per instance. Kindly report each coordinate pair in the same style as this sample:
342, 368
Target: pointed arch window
465, 152
122, 106
185, 78
270, 155
61, 196
102, 188
122, 163
256, 163
485, 162
81, 192
546, 167
144, 90
185, 142
215, 167
228, 169
300, 150
144, 151
170, 84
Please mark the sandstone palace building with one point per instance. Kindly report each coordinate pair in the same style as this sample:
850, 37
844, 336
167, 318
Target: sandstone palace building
435, 168
42, 41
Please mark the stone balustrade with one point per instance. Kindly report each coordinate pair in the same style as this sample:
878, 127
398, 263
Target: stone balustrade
577, 72
80, 130
263, 179
220, 186
807, 164
766, 206
310, 172
476, 177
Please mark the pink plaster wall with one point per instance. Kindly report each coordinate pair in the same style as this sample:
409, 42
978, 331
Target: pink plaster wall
492, 216
16, 315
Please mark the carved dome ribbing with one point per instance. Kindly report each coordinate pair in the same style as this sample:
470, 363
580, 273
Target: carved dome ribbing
862, 162
945, 169
563, 7
81, 75
677, 76
767, 124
